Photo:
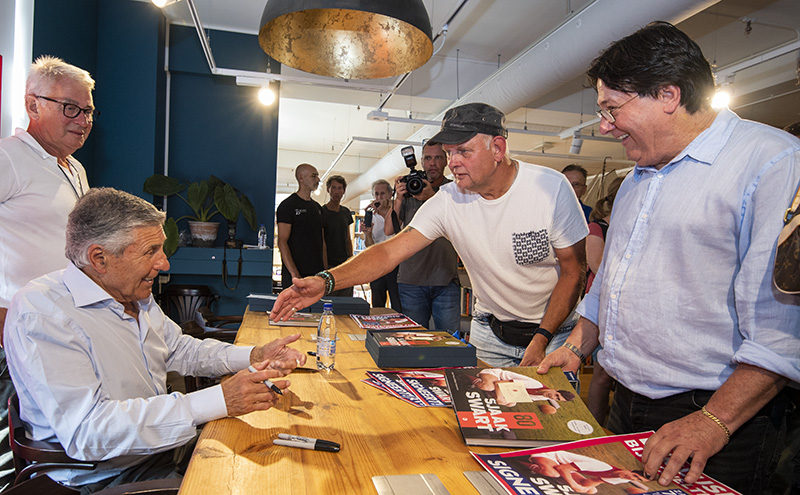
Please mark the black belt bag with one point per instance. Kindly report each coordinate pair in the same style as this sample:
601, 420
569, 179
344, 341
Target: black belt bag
515, 333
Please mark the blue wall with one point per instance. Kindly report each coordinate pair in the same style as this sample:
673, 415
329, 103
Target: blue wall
215, 127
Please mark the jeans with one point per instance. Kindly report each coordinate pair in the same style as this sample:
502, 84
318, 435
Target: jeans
443, 302
379, 287
495, 352
745, 463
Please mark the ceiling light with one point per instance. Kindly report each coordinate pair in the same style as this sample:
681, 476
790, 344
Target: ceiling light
163, 3
266, 96
349, 39
577, 143
720, 100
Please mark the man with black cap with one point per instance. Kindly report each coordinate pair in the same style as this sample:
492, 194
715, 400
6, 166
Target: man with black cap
517, 227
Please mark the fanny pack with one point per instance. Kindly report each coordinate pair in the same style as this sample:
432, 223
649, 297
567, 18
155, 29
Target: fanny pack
517, 333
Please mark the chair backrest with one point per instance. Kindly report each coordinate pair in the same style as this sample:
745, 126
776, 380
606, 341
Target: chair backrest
186, 300
40, 485
34, 456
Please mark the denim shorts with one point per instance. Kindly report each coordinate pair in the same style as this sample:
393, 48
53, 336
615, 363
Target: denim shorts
495, 352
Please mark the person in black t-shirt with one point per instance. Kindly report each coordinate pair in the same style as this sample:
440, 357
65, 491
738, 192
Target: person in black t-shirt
300, 237
336, 220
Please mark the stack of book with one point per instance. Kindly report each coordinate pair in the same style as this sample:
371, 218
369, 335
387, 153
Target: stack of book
418, 349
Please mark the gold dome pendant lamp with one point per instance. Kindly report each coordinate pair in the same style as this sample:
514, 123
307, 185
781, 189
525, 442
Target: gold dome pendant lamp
347, 39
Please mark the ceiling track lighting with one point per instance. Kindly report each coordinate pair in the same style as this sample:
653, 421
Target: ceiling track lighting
348, 39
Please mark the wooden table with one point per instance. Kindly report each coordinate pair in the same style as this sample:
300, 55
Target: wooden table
380, 435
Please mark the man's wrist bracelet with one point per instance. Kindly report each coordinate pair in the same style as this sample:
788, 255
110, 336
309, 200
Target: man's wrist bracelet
330, 283
718, 421
574, 350
547, 333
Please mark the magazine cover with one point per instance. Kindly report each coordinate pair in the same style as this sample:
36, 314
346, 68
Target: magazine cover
298, 320
608, 465
430, 389
395, 386
384, 322
517, 407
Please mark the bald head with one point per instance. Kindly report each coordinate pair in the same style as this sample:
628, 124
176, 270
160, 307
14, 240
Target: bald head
307, 178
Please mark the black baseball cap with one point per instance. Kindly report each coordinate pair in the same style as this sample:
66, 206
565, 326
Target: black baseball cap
464, 122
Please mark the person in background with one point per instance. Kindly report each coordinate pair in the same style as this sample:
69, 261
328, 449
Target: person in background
300, 238
336, 221
381, 210
428, 280
517, 227
602, 383
701, 344
89, 352
576, 175
40, 181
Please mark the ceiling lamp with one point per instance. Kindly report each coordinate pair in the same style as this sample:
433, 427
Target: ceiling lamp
348, 39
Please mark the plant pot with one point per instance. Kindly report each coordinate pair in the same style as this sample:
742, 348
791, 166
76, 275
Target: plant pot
204, 234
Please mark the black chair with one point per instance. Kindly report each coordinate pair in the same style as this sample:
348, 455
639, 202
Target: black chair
33, 458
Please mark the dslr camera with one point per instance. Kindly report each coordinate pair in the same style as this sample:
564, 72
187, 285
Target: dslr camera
415, 179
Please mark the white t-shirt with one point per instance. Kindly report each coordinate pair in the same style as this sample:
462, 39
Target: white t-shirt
36, 196
378, 235
507, 243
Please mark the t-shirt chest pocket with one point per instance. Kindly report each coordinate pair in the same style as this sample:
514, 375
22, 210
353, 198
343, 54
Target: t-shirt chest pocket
530, 247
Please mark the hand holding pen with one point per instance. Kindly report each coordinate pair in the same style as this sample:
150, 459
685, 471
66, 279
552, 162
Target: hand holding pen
246, 391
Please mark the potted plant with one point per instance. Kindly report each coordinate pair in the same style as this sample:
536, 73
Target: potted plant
206, 198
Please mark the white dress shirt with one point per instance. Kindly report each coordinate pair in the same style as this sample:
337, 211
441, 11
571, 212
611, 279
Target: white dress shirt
94, 379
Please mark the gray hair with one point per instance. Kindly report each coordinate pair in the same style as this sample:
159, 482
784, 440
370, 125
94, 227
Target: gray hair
107, 217
386, 183
47, 71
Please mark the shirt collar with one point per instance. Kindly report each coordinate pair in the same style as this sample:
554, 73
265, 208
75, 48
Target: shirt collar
26, 138
86, 292
703, 149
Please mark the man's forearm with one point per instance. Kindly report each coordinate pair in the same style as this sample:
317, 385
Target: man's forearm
562, 301
744, 393
286, 258
369, 265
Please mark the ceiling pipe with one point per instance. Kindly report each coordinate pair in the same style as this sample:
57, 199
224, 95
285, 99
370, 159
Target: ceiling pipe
546, 65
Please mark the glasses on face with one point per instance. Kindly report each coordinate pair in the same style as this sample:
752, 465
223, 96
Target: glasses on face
71, 110
608, 113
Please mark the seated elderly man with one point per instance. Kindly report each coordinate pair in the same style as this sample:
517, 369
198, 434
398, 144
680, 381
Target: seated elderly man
89, 351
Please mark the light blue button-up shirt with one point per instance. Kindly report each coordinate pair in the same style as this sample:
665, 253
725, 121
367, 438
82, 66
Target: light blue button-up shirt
684, 291
94, 379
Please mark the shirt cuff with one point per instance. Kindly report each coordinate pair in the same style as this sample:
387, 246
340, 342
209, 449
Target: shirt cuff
239, 357
207, 404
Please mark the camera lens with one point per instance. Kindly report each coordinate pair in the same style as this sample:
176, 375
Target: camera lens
415, 186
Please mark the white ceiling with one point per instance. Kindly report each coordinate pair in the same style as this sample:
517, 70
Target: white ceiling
317, 121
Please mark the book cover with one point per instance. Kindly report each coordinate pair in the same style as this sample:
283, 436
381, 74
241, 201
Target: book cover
418, 349
392, 383
298, 320
605, 466
432, 390
517, 407
384, 322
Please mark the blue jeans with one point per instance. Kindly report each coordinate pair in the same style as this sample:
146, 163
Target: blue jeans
495, 352
441, 301
745, 463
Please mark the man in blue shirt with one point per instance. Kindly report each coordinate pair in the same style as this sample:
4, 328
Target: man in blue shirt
683, 304
89, 351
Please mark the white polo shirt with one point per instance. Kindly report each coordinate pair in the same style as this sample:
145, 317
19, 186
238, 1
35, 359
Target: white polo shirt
36, 196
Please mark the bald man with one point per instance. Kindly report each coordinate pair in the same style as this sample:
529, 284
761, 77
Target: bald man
300, 237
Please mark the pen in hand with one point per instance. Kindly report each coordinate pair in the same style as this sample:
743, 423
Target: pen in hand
268, 383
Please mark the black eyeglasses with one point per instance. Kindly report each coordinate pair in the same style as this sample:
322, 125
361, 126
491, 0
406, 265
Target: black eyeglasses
608, 113
71, 110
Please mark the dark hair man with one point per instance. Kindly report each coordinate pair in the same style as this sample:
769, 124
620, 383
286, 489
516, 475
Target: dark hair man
336, 220
89, 351
516, 226
699, 342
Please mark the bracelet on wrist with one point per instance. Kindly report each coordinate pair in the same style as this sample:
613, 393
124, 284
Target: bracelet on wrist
330, 283
575, 350
542, 331
719, 423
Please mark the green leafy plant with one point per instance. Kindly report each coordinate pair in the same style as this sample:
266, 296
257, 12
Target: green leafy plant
206, 198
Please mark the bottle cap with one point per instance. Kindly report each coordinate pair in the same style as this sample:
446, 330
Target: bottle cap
327, 306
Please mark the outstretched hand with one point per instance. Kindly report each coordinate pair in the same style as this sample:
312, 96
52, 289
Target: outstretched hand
303, 293
280, 357
245, 391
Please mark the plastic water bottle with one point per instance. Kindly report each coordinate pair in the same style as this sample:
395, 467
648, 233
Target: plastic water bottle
326, 339
262, 237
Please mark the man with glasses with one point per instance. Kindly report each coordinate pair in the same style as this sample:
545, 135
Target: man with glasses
700, 343
40, 184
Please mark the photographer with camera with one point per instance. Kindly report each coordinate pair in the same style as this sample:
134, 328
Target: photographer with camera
427, 281
518, 229
376, 215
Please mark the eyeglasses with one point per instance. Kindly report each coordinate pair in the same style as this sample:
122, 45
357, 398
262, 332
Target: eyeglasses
608, 113
71, 110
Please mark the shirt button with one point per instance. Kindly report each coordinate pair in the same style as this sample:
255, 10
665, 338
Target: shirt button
613, 296
644, 216
628, 256
609, 337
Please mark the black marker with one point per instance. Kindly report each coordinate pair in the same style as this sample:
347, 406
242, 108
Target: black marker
313, 444
268, 383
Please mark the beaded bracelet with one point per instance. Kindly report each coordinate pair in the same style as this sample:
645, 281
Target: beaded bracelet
574, 350
718, 421
330, 283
